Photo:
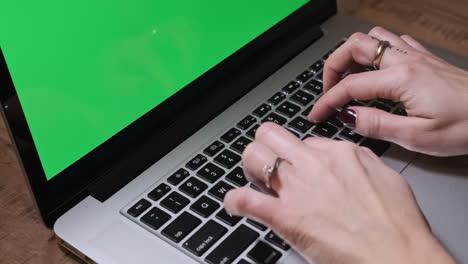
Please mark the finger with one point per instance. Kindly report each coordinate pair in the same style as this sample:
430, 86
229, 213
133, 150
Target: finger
255, 157
363, 86
359, 48
376, 123
319, 143
282, 142
415, 44
252, 204
383, 34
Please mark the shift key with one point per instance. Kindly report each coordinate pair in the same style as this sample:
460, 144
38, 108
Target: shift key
205, 237
232, 246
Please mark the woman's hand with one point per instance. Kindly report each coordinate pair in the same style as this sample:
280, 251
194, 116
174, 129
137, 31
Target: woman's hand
335, 202
434, 93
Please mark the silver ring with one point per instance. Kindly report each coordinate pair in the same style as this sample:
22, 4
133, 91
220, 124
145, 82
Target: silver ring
268, 171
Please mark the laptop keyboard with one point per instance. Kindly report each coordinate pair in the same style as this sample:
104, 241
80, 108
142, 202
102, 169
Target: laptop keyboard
186, 208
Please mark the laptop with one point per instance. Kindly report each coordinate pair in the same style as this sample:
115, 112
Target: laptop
130, 119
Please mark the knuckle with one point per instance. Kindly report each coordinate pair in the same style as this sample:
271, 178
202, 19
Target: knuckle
309, 141
357, 37
264, 129
406, 36
406, 72
377, 30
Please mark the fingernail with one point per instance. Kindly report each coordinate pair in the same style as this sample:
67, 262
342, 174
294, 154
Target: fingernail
348, 117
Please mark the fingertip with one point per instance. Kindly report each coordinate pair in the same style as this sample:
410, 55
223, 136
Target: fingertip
231, 200
247, 202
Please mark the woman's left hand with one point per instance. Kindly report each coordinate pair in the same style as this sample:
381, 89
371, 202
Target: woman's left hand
334, 202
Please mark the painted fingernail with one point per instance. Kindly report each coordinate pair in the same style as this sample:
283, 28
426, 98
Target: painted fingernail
348, 117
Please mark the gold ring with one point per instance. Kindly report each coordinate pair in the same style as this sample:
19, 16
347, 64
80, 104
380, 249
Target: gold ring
268, 171
379, 52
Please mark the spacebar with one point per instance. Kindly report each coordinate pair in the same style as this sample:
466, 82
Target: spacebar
232, 246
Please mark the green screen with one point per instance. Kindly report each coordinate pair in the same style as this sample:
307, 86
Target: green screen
84, 70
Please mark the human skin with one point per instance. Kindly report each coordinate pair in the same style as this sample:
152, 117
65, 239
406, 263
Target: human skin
433, 92
336, 202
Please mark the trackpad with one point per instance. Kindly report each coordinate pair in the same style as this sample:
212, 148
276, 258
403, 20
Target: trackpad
121, 243
441, 188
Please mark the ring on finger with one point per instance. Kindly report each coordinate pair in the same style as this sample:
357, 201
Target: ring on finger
270, 170
379, 52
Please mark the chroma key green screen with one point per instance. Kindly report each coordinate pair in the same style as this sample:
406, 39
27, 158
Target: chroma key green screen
84, 70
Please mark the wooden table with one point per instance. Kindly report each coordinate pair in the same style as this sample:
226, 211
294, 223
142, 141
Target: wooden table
23, 238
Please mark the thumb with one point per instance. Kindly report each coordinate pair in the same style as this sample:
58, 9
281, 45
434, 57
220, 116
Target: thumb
376, 123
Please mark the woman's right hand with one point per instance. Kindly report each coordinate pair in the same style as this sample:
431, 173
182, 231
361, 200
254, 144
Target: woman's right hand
433, 92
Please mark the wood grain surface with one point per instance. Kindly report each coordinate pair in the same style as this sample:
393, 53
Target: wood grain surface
24, 239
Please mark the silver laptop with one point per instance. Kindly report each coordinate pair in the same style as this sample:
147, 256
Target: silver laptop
130, 120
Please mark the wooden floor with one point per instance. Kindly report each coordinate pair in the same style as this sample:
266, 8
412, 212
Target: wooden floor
23, 238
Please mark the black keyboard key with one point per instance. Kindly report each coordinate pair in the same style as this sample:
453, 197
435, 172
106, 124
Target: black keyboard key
277, 98
230, 135
247, 122
243, 261
205, 238
380, 106
275, 118
196, 162
300, 124
317, 66
159, 192
227, 159
377, 146
240, 144
307, 110
288, 109
350, 135
252, 131
174, 202
277, 241
291, 87
302, 98
324, 130
257, 224
232, 246
262, 110
237, 177
204, 206
314, 86
214, 148
178, 176
225, 218
193, 187
211, 172
155, 218
183, 225
400, 111
220, 190
263, 253
139, 208
294, 133
305, 76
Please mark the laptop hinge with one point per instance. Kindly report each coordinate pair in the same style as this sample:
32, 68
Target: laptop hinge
198, 114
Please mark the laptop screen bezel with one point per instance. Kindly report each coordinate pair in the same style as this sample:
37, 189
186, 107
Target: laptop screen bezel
69, 186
